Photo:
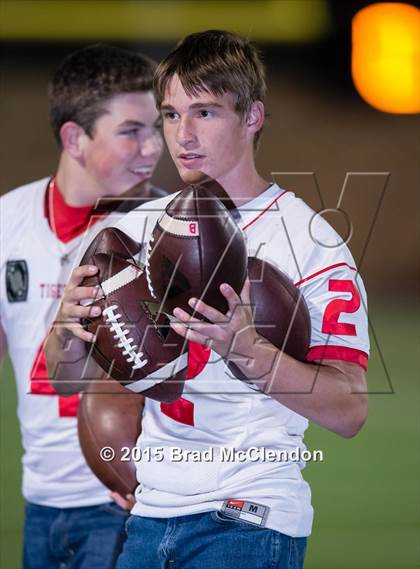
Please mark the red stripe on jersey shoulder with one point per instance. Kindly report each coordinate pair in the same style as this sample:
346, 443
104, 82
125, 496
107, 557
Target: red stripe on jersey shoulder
324, 270
319, 353
264, 210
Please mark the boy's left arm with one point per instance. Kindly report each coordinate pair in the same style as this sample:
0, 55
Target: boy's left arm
332, 393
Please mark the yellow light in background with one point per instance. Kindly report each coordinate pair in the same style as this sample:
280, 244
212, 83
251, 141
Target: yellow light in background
291, 21
386, 56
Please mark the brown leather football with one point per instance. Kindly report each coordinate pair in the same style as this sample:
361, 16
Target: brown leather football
110, 416
113, 252
195, 247
280, 311
134, 342
112, 240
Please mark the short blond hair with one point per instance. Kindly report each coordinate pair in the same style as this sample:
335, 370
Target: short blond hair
216, 62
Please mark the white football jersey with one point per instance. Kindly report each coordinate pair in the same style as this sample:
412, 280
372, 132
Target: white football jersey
218, 412
33, 278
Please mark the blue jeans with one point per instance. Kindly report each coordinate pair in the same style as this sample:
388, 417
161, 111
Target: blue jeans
207, 541
73, 538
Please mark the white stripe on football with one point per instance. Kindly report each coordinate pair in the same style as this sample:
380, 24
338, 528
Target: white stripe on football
161, 374
120, 279
179, 227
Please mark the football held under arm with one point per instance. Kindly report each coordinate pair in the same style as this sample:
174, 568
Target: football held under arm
331, 392
331, 388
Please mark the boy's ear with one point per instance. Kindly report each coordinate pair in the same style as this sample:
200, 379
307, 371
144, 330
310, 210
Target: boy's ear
72, 136
256, 116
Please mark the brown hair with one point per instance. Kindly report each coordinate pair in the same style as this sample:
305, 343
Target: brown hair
217, 62
88, 78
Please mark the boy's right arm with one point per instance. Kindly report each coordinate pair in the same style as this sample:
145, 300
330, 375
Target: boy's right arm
68, 345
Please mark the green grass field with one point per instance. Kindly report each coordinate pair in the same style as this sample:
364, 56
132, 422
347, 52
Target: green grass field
366, 493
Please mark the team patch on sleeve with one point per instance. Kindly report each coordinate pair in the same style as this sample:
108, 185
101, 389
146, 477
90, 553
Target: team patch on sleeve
17, 280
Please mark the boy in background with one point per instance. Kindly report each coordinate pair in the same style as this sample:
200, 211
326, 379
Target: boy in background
104, 118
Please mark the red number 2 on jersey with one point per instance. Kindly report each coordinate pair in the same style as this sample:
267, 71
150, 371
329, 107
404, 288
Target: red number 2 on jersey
330, 323
40, 385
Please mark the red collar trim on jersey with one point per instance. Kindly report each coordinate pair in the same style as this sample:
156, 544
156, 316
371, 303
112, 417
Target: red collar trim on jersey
264, 210
66, 221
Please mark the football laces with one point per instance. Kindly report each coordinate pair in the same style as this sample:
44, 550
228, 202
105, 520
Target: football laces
122, 334
147, 267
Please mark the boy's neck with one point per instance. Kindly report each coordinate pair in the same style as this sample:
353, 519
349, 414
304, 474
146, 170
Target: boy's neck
243, 184
73, 183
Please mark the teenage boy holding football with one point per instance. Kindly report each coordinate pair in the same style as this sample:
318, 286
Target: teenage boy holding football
210, 91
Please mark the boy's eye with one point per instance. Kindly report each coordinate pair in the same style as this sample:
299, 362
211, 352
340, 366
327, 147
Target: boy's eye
204, 113
130, 132
170, 115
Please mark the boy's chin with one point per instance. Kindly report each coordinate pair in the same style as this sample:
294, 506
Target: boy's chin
193, 176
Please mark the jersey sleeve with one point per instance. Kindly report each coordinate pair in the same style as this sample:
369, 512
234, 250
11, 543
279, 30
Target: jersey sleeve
337, 304
4, 240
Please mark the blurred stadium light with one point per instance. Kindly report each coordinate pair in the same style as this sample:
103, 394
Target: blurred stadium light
386, 56
161, 20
